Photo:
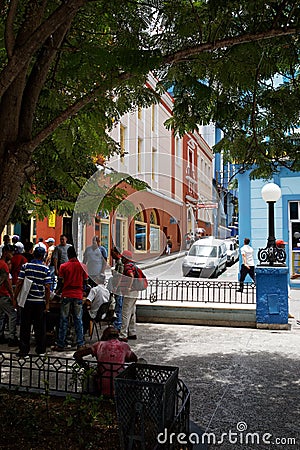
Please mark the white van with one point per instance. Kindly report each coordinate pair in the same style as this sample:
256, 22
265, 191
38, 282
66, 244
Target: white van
232, 251
206, 258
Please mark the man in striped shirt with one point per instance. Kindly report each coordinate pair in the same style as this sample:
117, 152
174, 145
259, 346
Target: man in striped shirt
37, 303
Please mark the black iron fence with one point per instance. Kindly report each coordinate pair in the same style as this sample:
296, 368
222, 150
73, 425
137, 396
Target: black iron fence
55, 375
206, 291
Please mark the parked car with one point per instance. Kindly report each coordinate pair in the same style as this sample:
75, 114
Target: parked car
232, 251
206, 258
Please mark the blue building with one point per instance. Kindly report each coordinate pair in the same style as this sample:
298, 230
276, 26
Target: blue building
253, 216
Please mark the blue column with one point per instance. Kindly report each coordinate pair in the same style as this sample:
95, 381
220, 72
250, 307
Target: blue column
244, 195
272, 297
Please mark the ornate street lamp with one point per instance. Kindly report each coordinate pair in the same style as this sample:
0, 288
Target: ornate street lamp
272, 254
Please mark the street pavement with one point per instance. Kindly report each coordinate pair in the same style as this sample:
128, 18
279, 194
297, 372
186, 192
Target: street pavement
244, 383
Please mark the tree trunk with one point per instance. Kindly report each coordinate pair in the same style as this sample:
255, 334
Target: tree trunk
13, 176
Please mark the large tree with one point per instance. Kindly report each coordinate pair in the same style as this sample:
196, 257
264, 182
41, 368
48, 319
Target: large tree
70, 68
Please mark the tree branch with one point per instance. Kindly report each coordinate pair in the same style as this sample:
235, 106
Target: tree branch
9, 32
23, 54
184, 55
71, 111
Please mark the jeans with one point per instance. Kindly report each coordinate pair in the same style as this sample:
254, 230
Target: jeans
73, 305
118, 311
7, 308
53, 280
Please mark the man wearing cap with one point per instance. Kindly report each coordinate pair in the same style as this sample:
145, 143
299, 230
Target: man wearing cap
128, 327
50, 261
37, 303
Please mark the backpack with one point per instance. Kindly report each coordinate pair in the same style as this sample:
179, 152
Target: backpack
140, 282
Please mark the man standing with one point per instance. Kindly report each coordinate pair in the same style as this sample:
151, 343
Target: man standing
128, 327
60, 253
73, 277
6, 241
8, 304
37, 303
95, 257
50, 261
248, 263
41, 244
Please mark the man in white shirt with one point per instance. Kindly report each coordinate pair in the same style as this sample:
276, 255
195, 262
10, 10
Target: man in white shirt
248, 263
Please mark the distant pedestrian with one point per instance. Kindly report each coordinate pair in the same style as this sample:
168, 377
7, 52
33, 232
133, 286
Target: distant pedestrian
28, 251
60, 253
95, 257
50, 261
169, 245
41, 244
248, 263
6, 241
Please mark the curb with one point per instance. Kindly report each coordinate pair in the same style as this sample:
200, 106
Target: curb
161, 260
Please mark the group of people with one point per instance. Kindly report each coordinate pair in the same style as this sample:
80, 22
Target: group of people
55, 271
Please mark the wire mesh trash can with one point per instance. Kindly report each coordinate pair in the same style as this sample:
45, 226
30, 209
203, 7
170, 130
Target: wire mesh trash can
145, 397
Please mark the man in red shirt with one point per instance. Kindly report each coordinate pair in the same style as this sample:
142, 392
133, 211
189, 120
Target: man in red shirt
17, 262
8, 304
111, 355
73, 275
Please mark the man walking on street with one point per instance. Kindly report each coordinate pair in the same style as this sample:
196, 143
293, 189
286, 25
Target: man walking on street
248, 263
73, 276
37, 303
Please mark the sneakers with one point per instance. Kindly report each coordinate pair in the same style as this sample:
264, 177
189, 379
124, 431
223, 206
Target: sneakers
56, 348
13, 342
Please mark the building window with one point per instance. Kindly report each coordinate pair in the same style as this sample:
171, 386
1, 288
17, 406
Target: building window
178, 150
154, 118
140, 237
122, 141
154, 165
294, 231
139, 155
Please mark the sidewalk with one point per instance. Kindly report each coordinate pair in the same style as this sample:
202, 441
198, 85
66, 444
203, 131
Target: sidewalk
241, 380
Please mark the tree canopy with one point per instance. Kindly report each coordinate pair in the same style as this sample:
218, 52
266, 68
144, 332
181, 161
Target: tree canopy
70, 69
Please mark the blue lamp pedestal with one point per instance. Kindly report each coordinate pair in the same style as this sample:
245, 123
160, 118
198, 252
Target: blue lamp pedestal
272, 298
